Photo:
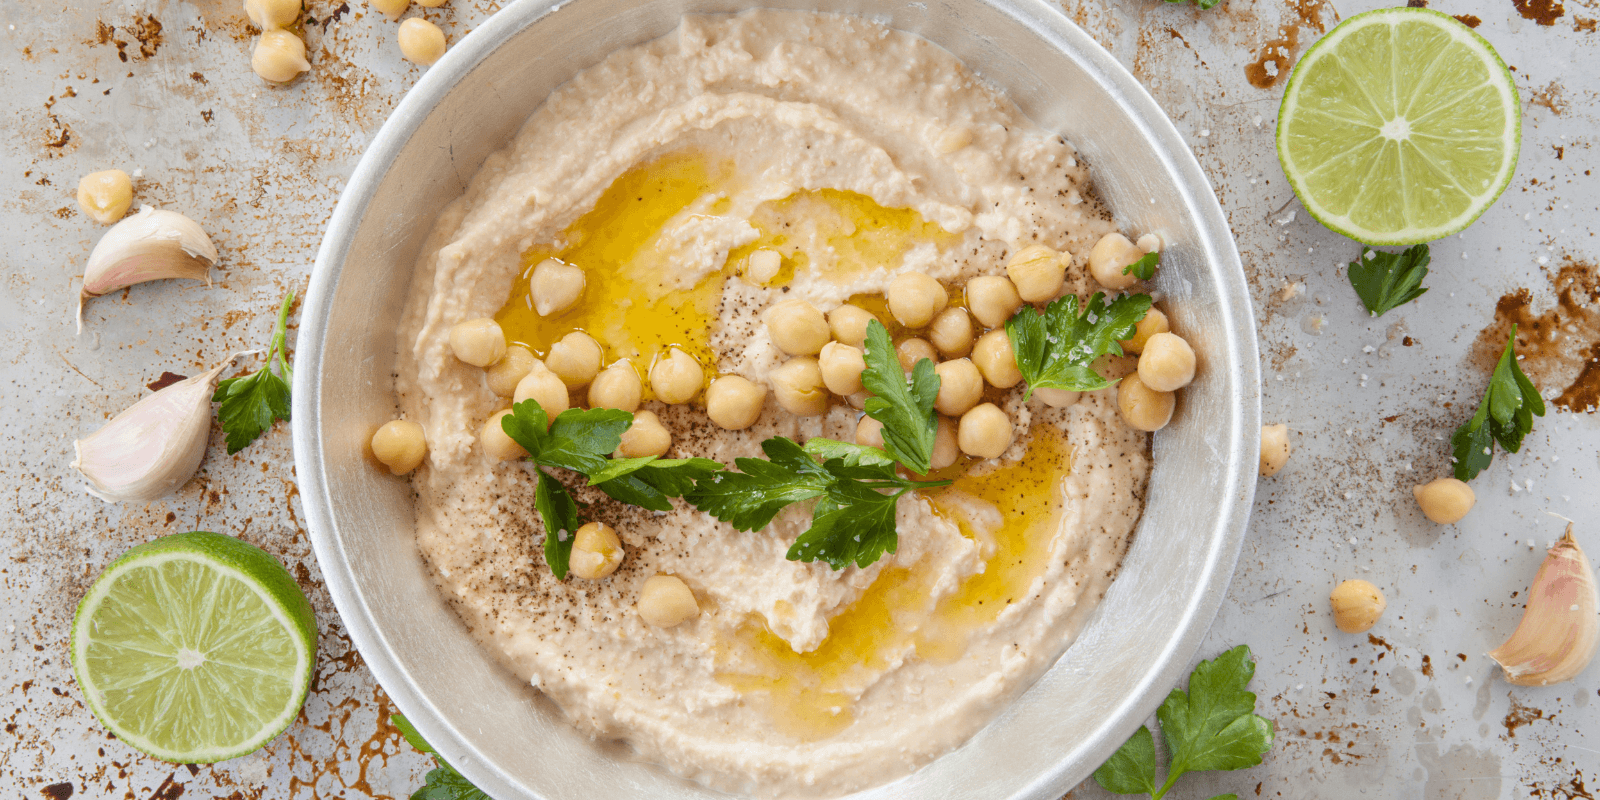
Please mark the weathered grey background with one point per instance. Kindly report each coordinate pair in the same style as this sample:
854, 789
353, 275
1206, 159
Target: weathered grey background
162, 89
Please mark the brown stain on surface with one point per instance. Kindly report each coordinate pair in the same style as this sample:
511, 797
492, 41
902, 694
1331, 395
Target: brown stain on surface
1520, 715
1560, 346
166, 379
1583, 24
1468, 20
1551, 97
1276, 57
1544, 12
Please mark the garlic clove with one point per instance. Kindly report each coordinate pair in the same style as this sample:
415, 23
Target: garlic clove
148, 246
1556, 638
154, 446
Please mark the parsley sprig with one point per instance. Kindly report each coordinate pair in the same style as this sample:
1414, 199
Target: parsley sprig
252, 403
1505, 416
1386, 281
442, 782
1145, 268
904, 408
1057, 349
581, 440
1213, 726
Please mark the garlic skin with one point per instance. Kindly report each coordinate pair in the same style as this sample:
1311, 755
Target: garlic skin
154, 446
1556, 638
151, 245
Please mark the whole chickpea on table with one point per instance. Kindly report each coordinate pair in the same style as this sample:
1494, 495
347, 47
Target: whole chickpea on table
261, 164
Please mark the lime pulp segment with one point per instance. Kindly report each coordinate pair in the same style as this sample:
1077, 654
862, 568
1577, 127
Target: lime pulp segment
195, 651
1400, 126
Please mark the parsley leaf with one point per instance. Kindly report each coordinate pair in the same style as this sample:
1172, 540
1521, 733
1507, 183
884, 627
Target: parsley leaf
560, 514
1386, 281
853, 521
443, 782
252, 403
1505, 416
1211, 727
904, 408
651, 482
1057, 349
1145, 268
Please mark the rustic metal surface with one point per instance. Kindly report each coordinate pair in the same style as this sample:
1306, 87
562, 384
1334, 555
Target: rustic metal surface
1414, 710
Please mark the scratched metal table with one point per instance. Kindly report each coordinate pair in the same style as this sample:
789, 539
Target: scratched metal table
162, 89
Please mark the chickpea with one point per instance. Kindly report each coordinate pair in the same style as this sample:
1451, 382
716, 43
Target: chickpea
506, 373
910, 351
1154, 322
1357, 605
993, 357
734, 403
390, 8
596, 552
1038, 272
849, 324
960, 387
1142, 407
858, 400
617, 386
1445, 501
985, 432
497, 444
478, 342
543, 386
431, 3
421, 41
945, 447
279, 56
869, 432
645, 437
951, 332
555, 286
762, 266
1057, 398
797, 327
105, 196
399, 445
575, 358
797, 385
1275, 449
1167, 363
269, 14
676, 378
666, 602
914, 299
841, 366
993, 300
1109, 257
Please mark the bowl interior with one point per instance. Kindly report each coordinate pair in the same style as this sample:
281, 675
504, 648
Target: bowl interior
502, 734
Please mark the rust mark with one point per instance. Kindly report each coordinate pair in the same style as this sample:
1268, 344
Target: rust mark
168, 790
1552, 96
1468, 20
1520, 715
1559, 347
199, 78
1427, 666
1583, 24
1416, 3
1544, 12
58, 791
146, 30
166, 379
1276, 57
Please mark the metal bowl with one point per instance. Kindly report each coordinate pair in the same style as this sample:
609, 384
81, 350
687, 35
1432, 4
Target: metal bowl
502, 734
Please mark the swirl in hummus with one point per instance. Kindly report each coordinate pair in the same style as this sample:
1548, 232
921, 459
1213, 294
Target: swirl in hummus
859, 153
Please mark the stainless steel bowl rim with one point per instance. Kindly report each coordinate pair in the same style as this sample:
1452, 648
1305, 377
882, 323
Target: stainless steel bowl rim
1215, 241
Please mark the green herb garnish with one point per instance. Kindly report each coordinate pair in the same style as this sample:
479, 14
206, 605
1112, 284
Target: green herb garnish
1057, 349
1505, 416
905, 408
1385, 281
252, 403
442, 782
1145, 268
582, 440
1211, 727
852, 521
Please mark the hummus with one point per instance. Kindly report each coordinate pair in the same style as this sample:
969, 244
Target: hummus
858, 152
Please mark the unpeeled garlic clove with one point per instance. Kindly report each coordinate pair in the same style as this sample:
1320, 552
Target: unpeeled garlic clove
148, 246
154, 446
1556, 638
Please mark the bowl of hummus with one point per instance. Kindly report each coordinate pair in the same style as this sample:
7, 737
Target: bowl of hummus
685, 215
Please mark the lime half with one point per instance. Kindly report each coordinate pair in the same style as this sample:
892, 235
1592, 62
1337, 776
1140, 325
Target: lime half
1400, 126
195, 647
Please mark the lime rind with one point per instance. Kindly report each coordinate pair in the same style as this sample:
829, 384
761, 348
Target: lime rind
267, 619
1449, 167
